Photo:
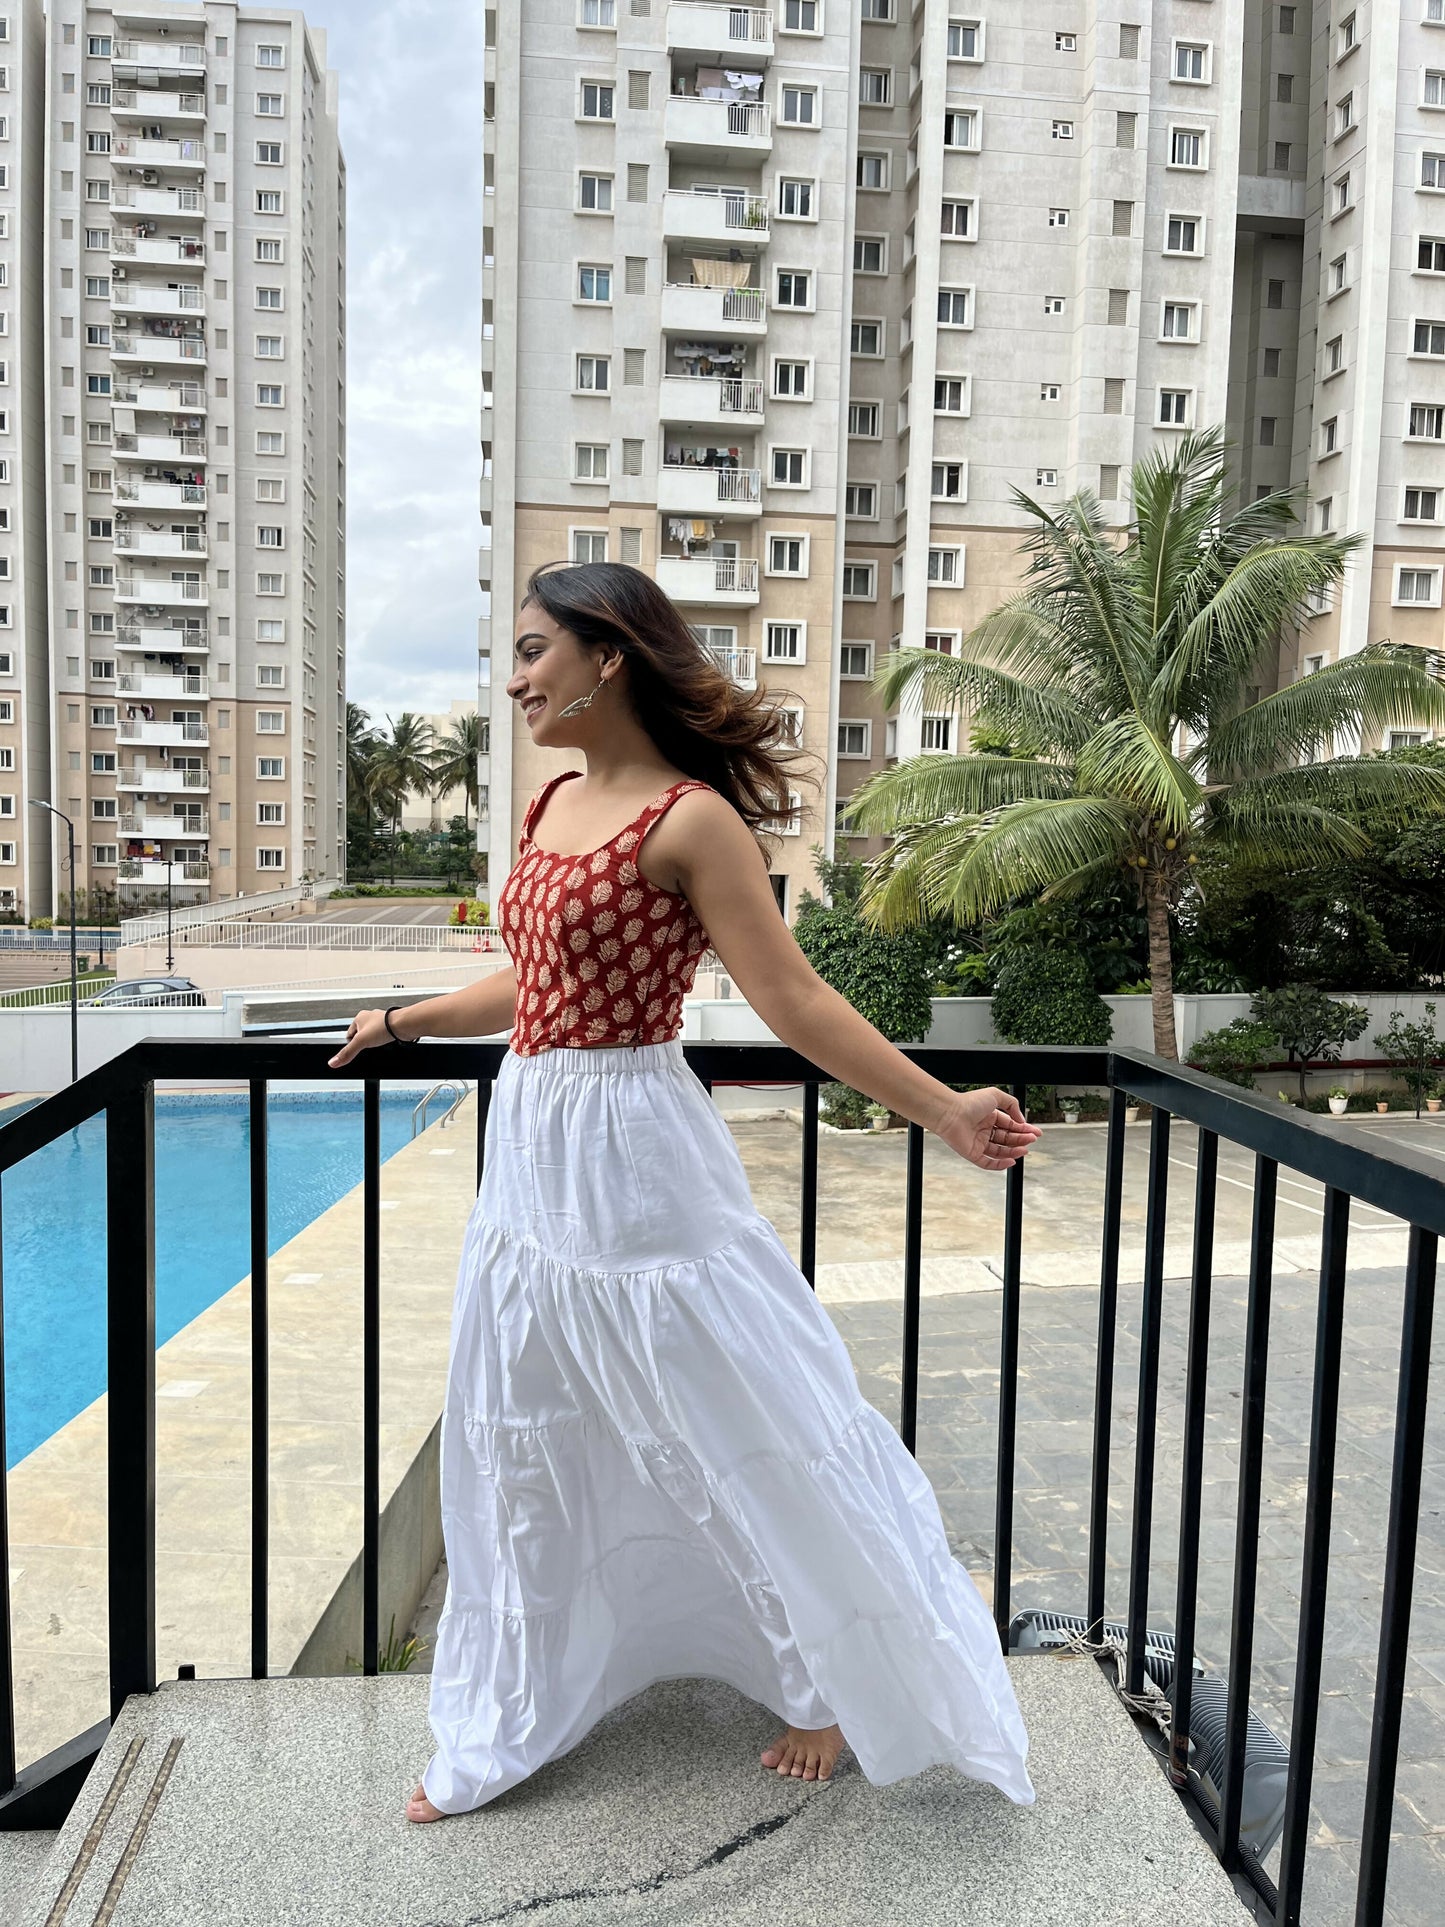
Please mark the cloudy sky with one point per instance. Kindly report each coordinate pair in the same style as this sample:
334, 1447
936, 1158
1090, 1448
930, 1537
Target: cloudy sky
410, 74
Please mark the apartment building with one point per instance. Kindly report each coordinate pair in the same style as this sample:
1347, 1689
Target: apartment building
783, 304
179, 531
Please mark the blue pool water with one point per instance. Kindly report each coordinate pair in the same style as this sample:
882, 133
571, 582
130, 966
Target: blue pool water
54, 1231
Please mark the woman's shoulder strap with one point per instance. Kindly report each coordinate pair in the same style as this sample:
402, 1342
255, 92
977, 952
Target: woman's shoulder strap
534, 808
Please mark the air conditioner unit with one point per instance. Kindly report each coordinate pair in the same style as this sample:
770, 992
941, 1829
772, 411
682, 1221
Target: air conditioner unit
149, 176
119, 274
148, 370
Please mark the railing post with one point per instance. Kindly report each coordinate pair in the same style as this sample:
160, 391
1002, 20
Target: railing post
1104, 1360
912, 1286
7, 1665
808, 1220
260, 1386
1008, 1388
371, 1377
1138, 1611
131, 1388
1191, 1476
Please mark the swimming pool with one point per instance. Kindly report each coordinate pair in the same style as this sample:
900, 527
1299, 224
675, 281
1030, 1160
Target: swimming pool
54, 1230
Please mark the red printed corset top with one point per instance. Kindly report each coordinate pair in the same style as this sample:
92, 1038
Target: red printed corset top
602, 955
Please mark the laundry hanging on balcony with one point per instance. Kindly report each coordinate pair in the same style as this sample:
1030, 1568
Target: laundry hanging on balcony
709, 272
693, 455
690, 531
722, 83
702, 358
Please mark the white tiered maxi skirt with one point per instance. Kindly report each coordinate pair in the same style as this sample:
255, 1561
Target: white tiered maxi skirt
656, 1462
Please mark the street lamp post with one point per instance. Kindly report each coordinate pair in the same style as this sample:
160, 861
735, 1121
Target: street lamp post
74, 979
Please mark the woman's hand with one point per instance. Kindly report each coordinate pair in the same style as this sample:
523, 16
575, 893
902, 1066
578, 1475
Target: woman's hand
368, 1028
988, 1128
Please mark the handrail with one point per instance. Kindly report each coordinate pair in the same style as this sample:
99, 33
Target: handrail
458, 1091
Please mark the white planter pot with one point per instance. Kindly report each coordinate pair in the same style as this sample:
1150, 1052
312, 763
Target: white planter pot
878, 1123
1071, 1117
1338, 1106
1131, 1113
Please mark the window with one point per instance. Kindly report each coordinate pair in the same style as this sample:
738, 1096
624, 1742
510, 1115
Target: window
270, 629
1330, 436
270, 536
594, 193
859, 581
945, 567
598, 13
937, 732
1049, 391
872, 170
1429, 338
1046, 478
787, 555
1178, 321
1348, 40
593, 373
1281, 157
1433, 88
860, 501
955, 307
270, 441
1063, 130
795, 199
948, 481
269, 200
269, 348
853, 738
1421, 505
590, 461
965, 39
1187, 147
269, 394
97, 384
790, 380
1337, 281
270, 722
268, 153
1419, 586
1325, 515
594, 283
875, 86
1066, 43
1430, 254
270, 859
100, 527
271, 813
799, 106
1345, 112
97, 143
269, 247
1058, 217
97, 285
870, 254
268, 55
1427, 421
1053, 304
866, 338
794, 288
788, 468
268, 768
270, 675
1173, 408
1342, 194
1266, 431
855, 660
102, 806
951, 395
961, 128
1191, 60
268, 297
271, 106
785, 642
596, 100
589, 545
98, 45
270, 583
102, 715
957, 220
801, 16
863, 422
1334, 354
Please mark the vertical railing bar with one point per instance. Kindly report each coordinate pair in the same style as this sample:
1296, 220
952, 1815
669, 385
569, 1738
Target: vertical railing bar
131, 1390
260, 1386
1008, 1388
1409, 1456
1104, 1359
912, 1285
7, 1657
371, 1376
1191, 1476
808, 1223
1246, 1535
1144, 1439
1319, 1503
484, 1106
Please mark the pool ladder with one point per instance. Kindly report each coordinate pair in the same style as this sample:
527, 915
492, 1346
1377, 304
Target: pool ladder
459, 1097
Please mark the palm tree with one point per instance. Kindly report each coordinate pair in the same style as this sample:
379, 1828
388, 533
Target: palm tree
455, 766
403, 765
361, 745
1126, 675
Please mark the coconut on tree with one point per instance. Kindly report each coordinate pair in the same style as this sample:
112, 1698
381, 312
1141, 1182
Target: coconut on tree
1124, 676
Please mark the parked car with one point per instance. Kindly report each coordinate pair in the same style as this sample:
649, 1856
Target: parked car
149, 990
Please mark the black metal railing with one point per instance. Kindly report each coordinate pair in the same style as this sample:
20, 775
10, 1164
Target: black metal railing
1348, 1163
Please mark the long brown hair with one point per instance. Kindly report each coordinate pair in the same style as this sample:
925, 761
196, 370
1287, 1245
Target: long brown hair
699, 718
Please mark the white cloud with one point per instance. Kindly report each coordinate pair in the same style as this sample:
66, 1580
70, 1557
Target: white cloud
410, 98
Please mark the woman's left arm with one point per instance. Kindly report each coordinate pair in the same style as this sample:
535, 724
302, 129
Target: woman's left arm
722, 873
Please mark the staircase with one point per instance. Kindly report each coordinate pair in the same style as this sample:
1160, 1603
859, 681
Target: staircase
253, 1803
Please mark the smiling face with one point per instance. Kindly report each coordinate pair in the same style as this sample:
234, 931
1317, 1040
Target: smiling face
550, 669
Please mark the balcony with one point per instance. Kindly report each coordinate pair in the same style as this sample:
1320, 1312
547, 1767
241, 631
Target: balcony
738, 220
143, 541
684, 488
740, 664
160, 448
163, 203
189, 641
184, 57
688, 308
141, 823
163, 251
136, 150
157, 104
151, 730
155, 350
160, 589
162, 685
723, 581
142, 492
1100, 1443
731, 36
154, 779
187, 873
168, 397
719, 133
712, 401
153, 298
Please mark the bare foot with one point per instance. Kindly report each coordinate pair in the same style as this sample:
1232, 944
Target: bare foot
806, 1753
420, 1809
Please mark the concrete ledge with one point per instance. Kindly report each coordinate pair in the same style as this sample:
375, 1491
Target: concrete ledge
662, 1815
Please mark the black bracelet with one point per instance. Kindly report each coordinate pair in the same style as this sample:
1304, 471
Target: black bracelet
390, 1029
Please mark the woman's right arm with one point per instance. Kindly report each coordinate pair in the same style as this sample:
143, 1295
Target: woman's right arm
478, 1011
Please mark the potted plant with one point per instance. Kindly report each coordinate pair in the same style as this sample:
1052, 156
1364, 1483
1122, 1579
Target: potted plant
1070, 1108
1284, 1097
877, 1115
1131, 1113
1339, 1101
1383, 1105
1433, 1101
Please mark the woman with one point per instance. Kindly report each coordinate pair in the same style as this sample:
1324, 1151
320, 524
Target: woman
656, 1461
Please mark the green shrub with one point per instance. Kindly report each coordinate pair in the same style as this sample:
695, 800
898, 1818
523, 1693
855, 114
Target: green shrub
1308, 1024
1048, 997
1234, 1051
841, 1105
1412, 1050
